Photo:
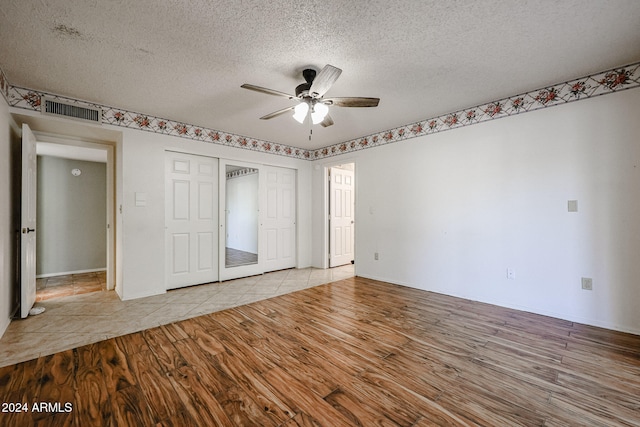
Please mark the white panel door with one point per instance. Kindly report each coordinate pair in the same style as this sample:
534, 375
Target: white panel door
191, 219
28, 222
341, 216
279, 219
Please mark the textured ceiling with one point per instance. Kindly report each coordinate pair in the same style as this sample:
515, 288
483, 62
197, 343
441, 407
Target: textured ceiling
185, 60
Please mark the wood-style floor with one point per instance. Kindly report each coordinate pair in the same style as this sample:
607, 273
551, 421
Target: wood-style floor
352, 353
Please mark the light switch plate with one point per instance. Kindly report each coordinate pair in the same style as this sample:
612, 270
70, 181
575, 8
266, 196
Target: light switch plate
572, 206
141, 199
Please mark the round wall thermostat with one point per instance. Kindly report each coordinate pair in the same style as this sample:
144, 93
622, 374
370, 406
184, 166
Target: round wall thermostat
76, 172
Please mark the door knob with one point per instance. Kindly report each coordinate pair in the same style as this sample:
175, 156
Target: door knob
27, 230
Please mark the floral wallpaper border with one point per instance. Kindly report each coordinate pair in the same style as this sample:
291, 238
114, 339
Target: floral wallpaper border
241, 172
4, 85
31, 100
610, 81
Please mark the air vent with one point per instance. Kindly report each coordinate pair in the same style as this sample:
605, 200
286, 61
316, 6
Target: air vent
57, 108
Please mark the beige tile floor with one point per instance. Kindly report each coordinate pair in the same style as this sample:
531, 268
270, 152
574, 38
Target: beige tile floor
76, 320
70, 284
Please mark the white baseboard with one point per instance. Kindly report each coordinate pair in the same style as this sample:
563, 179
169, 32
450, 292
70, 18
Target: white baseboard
66, 273
141, 295
4, 324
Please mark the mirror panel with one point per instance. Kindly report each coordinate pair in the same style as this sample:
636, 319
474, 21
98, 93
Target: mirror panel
241, 215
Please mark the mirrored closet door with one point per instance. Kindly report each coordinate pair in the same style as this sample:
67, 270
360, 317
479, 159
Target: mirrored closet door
240, 219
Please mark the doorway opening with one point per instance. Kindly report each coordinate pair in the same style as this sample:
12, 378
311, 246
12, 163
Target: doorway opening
71, 249
32, 130
341, 214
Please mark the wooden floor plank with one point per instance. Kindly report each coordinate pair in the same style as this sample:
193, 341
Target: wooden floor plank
626, 356
58, 419
156, 387
254, 384
619, 394
356, 352
620, 376
298, 397
199, 401
528, 351
92, 402
17, 417
132, 343
574, 406
130, 407
174, 332
356, 411
481, 409
16, 378
393, 391
181, 419
115, 367
164, 350
197, 330
57, 381
237, 402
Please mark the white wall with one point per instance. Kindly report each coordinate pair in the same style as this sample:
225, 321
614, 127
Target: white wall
141, 229
72, 216
452, 211
6, 229
139, 167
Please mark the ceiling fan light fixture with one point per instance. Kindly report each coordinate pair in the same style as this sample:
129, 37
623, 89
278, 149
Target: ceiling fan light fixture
300, 112
311, 97
319, 112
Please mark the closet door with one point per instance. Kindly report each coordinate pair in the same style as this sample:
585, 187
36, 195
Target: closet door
279, 218
240, 219
191, 219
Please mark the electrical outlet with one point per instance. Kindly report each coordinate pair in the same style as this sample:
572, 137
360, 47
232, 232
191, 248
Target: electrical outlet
511, 274
587, 283
375, 256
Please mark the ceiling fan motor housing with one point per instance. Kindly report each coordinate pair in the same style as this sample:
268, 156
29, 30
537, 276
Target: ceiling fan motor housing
303, 89
309, 74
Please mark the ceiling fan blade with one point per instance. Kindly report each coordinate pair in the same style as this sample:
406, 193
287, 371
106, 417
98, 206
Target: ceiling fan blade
352, 102
328, 121
324, 80
277, 113
267, 91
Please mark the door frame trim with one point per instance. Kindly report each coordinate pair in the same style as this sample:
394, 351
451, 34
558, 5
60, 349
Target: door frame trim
109, 147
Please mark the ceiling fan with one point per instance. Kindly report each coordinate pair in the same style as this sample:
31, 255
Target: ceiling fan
311, 97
